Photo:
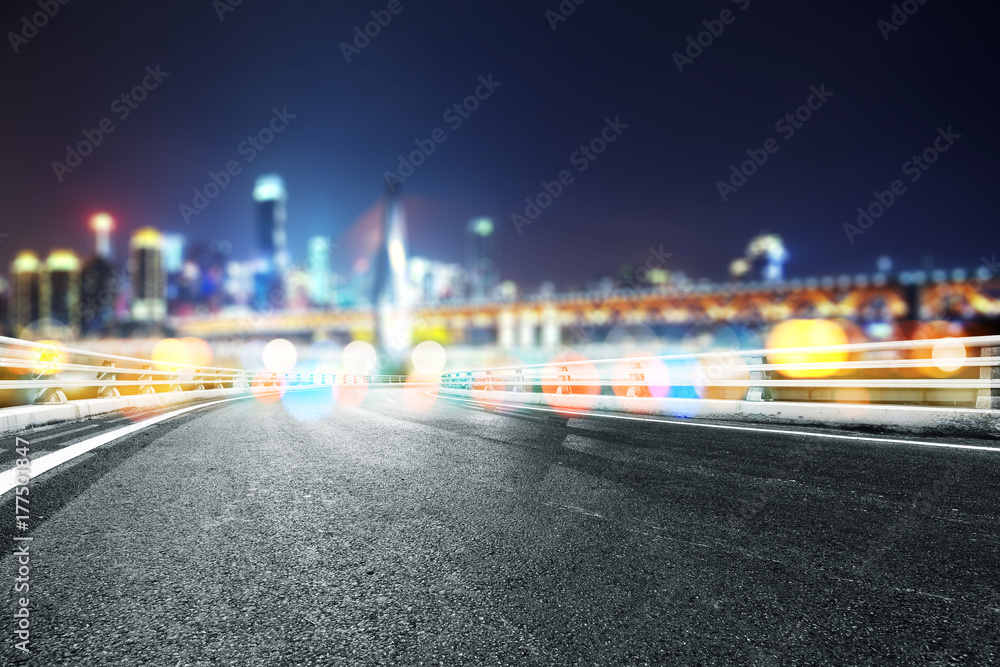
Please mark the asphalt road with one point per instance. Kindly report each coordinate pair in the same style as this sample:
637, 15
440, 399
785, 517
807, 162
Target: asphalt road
418, 532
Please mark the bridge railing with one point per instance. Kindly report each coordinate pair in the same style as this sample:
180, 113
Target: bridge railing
947, 371
41, 373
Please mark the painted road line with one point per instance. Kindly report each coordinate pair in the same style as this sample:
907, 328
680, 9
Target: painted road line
57, 458
808, 434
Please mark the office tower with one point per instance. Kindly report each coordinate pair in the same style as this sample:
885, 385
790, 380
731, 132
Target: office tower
319, 270
481, 257
270, 197
25, 282
59, 296
102, 224
147, 276
100, 284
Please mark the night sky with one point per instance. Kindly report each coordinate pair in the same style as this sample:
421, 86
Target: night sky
655, 185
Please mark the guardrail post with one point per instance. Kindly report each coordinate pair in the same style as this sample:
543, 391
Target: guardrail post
637, 382
175, 384
564, 378
518, 381
989, 399
488, 381
199, 380
146, 377
240, 381
758, 393
108, 390
47, 395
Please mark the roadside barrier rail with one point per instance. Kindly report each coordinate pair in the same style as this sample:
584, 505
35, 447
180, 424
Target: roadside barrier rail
41, 374
950, 371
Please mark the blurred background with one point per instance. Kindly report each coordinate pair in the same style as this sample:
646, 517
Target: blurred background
352, 241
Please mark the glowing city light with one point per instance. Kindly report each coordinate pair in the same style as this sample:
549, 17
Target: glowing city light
102, 222
429, 358
807, 333
949, 354
279, 356
269, 187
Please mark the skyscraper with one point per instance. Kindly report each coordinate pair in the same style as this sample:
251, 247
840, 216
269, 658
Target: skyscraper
319, 270
147, 276
25, 282
59, 295
99, 286
271, 196
102, 224
272, 259
481, 257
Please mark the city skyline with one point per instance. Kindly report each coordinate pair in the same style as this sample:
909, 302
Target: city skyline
685, 127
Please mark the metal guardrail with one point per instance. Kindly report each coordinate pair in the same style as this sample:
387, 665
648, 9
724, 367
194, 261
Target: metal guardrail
50, 371
756, 375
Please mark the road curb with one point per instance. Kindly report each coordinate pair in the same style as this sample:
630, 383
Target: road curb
29, 416
869, 418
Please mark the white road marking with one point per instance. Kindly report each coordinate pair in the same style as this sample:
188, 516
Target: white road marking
49, 461
808, 434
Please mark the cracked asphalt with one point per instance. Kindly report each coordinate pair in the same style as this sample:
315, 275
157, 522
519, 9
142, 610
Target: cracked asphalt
413, 531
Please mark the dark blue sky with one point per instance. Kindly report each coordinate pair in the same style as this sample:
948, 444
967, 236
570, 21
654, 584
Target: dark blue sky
655, 185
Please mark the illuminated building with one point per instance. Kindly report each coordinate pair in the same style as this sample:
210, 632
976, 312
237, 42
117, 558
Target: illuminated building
319, 270
481, 257
147, 276
100, 284
271, 199
764, 259
59, 294
102, 224
25, 282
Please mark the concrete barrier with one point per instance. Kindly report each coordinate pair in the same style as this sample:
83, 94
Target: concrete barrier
966, 422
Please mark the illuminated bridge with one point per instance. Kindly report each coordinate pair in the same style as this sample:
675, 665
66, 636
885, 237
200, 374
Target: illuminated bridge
580, 511
549, 322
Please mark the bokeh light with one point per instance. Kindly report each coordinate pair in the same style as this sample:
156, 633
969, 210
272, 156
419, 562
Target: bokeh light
279, 356
48, 362
429, 358
807, 333
949, 354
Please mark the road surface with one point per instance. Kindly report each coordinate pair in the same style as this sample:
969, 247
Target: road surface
418, 531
